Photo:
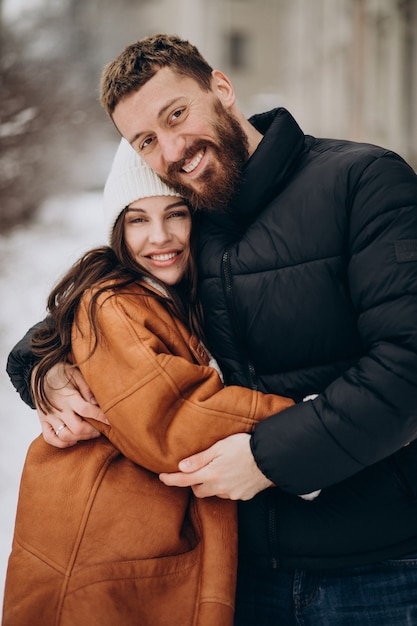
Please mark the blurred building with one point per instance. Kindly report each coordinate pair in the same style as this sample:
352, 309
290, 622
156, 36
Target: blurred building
344, 68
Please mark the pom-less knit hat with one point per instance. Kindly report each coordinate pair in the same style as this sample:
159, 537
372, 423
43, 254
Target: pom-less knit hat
130, 179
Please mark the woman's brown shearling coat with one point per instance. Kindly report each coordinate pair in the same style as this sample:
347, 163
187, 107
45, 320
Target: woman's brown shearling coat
99, 540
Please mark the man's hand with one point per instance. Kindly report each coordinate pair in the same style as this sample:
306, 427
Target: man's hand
67, 390
227, 470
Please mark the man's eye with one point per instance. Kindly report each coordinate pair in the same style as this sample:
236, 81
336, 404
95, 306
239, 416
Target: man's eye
145, 143
177, 114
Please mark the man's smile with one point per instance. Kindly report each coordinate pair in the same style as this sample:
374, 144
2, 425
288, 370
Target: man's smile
190, 167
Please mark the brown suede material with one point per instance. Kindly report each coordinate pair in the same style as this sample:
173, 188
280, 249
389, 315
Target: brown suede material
99, 540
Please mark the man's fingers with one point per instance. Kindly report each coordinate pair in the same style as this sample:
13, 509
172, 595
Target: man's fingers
198, 461
178, 479
191, 469
206, 491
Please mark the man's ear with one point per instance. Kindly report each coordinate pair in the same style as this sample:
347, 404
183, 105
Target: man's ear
223, 88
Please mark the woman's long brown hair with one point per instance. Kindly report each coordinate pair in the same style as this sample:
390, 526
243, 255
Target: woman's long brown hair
106, 269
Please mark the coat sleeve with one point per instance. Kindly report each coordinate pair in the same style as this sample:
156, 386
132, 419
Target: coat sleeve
161, 407
20, 364
370, 412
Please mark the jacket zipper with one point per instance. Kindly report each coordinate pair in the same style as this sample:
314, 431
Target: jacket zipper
273, 532
227, 282
272, 512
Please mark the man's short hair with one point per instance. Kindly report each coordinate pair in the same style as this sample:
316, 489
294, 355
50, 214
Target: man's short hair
141, 60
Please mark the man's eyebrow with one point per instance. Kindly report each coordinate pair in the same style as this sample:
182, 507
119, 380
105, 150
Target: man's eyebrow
161, 113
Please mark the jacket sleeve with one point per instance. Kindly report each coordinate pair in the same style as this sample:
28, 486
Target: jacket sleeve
161, 407
20, 364
370, 411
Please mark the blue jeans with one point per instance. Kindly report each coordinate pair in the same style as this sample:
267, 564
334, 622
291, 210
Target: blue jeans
384, 594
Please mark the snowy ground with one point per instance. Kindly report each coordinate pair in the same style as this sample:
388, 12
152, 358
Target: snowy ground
31, 259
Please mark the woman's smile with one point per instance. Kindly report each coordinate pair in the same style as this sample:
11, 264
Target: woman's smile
157, 232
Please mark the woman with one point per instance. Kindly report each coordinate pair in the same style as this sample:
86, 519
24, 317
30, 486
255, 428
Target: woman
99, 539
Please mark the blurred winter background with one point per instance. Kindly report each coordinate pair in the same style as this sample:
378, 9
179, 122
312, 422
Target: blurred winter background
345, 68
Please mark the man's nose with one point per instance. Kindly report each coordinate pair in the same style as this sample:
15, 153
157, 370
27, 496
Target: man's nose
172, 147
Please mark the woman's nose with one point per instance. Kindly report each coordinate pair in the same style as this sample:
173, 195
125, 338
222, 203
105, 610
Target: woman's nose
159, 233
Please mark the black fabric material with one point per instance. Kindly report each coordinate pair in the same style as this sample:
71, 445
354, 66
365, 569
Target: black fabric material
20, 364
309, 286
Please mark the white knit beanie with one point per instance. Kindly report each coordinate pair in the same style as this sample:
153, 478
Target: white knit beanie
130, 179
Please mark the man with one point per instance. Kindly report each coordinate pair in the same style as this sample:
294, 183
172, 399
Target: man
308, 274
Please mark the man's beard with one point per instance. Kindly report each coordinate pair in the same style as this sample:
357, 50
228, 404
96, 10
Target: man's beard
219, 182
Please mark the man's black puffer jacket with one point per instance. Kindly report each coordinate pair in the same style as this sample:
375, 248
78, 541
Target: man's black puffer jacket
309, 286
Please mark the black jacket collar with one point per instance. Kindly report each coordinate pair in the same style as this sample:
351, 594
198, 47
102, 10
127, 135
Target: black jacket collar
269, 166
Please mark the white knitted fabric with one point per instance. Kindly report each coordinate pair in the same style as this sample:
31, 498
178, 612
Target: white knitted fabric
130, 179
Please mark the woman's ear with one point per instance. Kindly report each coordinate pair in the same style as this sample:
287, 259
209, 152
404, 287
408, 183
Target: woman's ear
223, 88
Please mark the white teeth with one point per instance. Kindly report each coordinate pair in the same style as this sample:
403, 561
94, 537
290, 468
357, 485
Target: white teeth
191, 166
163, 257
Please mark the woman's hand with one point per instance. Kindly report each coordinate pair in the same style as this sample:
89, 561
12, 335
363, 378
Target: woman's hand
64, 425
